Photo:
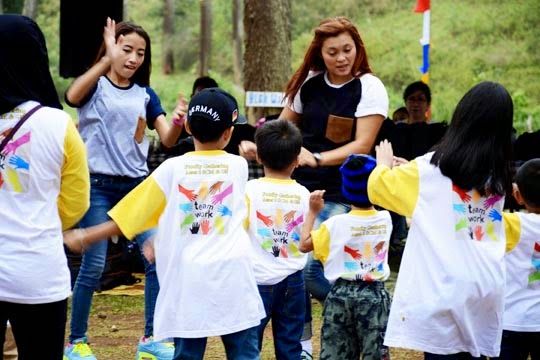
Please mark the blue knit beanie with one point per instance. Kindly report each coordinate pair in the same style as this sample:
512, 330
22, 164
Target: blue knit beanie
355, 172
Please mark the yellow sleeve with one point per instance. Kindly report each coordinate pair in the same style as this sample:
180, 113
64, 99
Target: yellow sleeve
395, 189
512, 229
74, 198
140, 209
246, 221
321, 243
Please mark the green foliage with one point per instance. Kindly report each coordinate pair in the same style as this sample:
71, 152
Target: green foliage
470, 42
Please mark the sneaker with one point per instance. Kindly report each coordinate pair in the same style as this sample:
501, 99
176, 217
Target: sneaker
149, 349
304, 355
77, 350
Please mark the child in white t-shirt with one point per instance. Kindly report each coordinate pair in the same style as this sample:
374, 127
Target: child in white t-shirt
202, 251
521, 320
277, 206
353, 248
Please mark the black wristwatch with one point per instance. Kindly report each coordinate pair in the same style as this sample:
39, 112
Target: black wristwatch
318, 158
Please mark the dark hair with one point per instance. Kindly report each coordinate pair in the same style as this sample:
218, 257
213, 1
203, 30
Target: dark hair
313, 60
417, 86
142, 75
278, 144
203, 82
528, 181
476, 150
204, 130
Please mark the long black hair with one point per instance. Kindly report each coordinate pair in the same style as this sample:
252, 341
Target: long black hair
476, 149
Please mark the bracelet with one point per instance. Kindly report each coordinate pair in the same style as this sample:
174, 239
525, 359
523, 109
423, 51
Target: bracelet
179, 122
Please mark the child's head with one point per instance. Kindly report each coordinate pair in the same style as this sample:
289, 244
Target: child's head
142, 74
527, 185
401, 115
203, 82
278, 144
210, 113
355, 172
476, 150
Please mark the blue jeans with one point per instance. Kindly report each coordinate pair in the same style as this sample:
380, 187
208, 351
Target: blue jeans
241, 345
285, 305
105, 192
317, 286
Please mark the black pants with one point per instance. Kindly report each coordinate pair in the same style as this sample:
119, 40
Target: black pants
38, 329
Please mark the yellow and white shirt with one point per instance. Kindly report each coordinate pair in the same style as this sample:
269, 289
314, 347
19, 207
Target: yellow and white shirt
276, 215
207, 286
44, 188
449, 296
354, 246
522, 308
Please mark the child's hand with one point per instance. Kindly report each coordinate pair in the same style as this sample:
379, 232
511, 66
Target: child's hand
74, 240
400, 161
148, 250
316, 201
385, 154
179, 114
248, 150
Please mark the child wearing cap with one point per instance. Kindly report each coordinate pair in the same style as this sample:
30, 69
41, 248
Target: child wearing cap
277, 206
354, 250
201, 248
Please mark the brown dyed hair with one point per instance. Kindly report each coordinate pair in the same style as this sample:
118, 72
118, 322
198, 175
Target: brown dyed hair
313, 60
142, 75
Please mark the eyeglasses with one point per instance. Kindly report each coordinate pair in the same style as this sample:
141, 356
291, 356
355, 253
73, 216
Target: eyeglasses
416, 100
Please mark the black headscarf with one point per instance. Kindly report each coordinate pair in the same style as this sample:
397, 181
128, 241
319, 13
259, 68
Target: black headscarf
24, 64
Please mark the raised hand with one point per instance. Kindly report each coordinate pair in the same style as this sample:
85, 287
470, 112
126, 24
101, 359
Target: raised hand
218, 198
190, 194
275, 250
460, 208
289, 216
461, 193
492, 200
186, 207
216, 187
290, 226
12, 146
265, 219
495, 215
205, 226
353, 252
224, 210
478, 233
188, 220
19, 162
194, 228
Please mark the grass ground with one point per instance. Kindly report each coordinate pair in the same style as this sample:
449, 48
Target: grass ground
116, 323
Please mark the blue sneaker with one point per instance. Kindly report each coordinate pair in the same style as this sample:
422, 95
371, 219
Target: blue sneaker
78, 350
149, 349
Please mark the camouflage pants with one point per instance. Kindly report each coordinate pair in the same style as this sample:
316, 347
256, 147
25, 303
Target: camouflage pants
354, 321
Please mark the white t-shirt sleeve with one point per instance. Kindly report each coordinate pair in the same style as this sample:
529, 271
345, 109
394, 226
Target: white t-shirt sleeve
374, 97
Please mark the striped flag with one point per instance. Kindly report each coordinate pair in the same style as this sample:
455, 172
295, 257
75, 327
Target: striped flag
423, 6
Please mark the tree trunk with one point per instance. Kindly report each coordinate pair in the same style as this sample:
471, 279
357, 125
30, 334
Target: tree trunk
238, 38
168, 38
30, 8
267, 58
206, 37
